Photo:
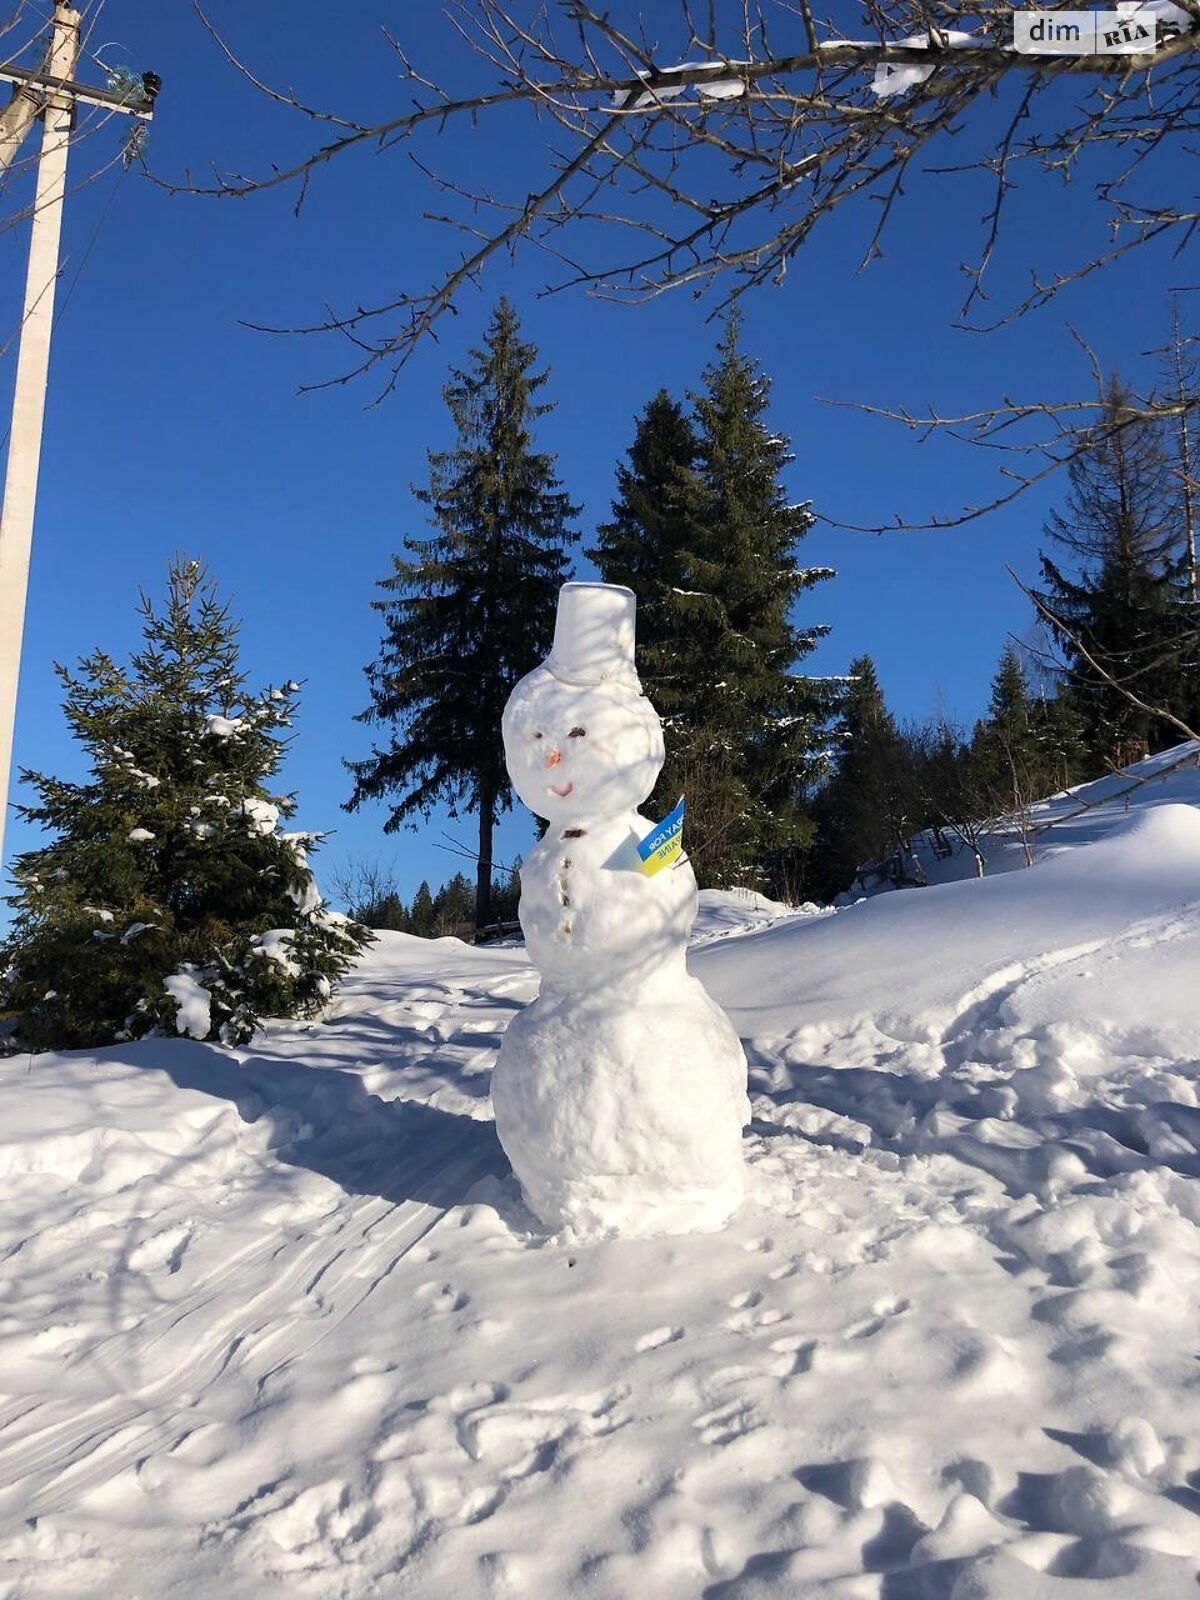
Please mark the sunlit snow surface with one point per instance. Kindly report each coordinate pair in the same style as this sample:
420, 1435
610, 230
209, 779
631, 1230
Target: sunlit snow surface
273, 1322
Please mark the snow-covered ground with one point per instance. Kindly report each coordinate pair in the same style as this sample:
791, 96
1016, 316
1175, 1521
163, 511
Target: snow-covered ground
274, 1322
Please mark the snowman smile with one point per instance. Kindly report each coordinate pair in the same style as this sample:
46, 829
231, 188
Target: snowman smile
566, 789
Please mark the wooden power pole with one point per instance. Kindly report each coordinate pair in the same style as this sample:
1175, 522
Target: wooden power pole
55, 92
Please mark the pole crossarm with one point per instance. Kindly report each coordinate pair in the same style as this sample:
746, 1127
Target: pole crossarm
30, 78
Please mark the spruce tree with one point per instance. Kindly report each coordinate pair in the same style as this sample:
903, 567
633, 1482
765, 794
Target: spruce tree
386, 911
471, 610
1122, 605
1182, 378
1010, 699
506, 896
871, 803
656, 520
1006, 748
421, 917
1028, 745
1182, 375
747, 728
453, 907
1065, 757
168, 899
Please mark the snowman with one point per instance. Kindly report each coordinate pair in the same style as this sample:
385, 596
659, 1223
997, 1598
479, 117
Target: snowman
620, 1093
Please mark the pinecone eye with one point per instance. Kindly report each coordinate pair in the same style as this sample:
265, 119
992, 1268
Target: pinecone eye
577, 733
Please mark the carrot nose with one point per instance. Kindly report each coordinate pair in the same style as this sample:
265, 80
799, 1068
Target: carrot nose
553, 757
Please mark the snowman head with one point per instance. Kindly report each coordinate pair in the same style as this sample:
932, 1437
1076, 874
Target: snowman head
580, 737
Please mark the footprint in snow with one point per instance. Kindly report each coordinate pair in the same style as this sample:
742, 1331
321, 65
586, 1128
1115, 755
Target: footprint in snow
796, 1355
480, 1504
520, 1440
883, 1311
657, 1337
321, 1522
441, 1297
60, 1339
727, 1423
748, 1317
426, 1012
163, 1251
308, 1304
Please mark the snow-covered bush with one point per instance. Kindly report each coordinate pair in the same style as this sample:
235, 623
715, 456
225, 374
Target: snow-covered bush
169, 899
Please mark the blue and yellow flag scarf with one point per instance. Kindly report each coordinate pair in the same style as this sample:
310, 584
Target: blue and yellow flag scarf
663, 845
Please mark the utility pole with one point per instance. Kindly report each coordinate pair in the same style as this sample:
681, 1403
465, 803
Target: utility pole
16, 120
55, 89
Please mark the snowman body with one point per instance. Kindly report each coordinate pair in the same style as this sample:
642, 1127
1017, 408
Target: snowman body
620, 1092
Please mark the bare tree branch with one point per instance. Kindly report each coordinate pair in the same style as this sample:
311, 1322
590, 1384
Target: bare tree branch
1071, 429
727, 143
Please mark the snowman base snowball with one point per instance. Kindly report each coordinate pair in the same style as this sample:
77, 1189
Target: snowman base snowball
623, 1117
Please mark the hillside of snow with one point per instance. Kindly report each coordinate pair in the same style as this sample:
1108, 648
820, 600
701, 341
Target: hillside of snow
1075, 817
274, 1321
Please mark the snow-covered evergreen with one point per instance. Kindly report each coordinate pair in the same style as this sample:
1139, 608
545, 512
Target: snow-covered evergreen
169, 897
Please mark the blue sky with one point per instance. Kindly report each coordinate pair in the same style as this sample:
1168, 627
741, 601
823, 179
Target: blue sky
172, 427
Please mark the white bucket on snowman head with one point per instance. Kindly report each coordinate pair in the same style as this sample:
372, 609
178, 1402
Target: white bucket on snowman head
594, 635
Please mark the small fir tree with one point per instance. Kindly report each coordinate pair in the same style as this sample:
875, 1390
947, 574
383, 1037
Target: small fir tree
1065, 756
871, 803
1029, 745
453, 907
470, 611
1006, 748
506, 896
1009, 703
1182, 378
386, 911
168, 898
421, 917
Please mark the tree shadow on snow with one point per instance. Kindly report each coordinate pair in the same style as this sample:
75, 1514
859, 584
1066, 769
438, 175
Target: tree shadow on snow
324, 1120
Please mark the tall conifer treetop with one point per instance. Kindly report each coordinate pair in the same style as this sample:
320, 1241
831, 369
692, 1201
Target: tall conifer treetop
1010, 699
1026, 747
169, 899
469, 611
1126, 602
705, 534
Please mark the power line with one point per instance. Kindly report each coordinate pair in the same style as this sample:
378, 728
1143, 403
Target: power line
70, 290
